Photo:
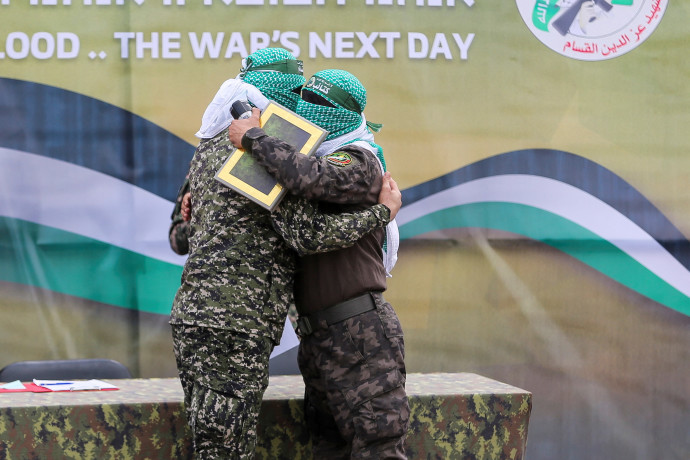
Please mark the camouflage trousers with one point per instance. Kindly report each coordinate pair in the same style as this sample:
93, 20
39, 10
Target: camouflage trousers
355, 400
224, 375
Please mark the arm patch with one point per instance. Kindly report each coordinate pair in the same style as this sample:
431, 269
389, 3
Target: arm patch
339, 159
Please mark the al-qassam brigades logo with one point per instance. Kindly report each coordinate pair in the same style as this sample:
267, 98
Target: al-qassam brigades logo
592, 30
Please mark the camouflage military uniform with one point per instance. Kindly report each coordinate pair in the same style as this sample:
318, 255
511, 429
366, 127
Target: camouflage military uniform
178, 233
354, 370
178, 236
236, 286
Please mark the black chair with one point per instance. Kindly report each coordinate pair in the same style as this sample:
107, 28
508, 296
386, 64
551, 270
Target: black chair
26, 371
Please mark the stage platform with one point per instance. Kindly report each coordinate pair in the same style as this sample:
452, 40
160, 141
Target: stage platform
454, 416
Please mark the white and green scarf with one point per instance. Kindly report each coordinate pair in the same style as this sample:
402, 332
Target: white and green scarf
267, 74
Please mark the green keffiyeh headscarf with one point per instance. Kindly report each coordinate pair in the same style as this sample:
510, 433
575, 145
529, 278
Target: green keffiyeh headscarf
276, 73
347, 97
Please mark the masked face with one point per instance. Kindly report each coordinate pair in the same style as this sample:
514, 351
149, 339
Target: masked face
325, 103
276, 73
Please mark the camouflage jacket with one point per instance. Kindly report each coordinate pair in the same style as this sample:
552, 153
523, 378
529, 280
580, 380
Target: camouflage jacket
349, 176
347, 179
239, 272
178, 233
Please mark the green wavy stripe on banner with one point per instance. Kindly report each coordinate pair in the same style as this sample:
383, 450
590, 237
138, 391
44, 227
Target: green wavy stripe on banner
68, 263
559, 233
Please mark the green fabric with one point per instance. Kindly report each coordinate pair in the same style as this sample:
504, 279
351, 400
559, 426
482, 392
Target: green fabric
336, 120
263, 70
334, 93
379, 154
374, 127
349, 96
288, 66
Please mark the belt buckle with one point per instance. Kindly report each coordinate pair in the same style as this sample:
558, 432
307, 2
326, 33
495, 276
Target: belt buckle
304, 325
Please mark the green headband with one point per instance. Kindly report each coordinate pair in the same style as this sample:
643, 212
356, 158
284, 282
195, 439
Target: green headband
287, 66
334, 93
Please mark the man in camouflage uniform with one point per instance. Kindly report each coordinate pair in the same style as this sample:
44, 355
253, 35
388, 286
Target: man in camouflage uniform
178, 236
351, 352
229, 311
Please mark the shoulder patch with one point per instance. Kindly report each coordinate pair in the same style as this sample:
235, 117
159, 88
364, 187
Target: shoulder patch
340, 159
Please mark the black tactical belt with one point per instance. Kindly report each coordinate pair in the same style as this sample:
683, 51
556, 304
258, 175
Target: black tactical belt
337, 313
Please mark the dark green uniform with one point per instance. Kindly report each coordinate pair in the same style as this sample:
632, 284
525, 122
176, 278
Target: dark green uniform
354, 367
236, 287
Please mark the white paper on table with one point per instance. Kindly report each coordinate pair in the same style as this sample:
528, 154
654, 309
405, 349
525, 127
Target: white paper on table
78, 385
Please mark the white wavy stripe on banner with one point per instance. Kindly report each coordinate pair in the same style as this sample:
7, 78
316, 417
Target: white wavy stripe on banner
568, 202
80, 200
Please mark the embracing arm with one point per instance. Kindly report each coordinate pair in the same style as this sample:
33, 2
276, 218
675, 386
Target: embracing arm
307, 230
347, 176
350, 175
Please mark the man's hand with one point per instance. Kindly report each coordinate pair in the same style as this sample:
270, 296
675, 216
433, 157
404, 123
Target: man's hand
390, 195
187, 207
239, 127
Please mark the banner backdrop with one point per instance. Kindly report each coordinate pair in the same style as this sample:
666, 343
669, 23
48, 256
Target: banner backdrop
541, 146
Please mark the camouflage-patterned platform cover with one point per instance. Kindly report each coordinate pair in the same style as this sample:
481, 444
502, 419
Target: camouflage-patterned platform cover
454, 416
144, 419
